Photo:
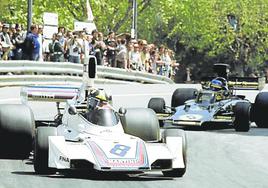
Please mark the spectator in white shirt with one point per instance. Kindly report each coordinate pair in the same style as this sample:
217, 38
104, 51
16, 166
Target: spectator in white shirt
135, 58
75, 49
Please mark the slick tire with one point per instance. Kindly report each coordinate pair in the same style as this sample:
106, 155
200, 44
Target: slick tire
181, 95
242, 116
176, 172
16, 130
141, 122
41, 150
259, 112
157, 104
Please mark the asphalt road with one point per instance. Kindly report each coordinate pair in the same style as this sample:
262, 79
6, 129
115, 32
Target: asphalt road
216, 158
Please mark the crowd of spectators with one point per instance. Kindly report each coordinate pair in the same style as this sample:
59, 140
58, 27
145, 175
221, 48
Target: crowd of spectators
76, 46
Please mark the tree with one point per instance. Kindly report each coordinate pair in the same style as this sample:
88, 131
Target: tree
200, 31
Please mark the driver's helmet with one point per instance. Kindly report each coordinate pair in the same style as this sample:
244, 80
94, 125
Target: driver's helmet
218, 84
97, 97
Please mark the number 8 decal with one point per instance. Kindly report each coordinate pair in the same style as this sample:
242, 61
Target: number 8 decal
120, 150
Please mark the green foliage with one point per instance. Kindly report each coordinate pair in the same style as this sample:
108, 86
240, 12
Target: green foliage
197, 30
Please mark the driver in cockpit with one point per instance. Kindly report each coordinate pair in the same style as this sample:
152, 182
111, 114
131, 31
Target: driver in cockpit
97, 98
219, 85
99, 110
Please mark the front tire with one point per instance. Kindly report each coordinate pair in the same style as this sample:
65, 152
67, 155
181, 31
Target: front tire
141, 122
242, 116
176, 172
181, 95
16, 130
41, 149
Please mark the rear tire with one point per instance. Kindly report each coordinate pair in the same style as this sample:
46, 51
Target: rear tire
16, 130
242, 116
41, 150
141, 122
181, 95
177, 172
260, 110
157, 104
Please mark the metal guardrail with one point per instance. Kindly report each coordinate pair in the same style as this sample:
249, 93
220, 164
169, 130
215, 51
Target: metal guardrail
15, 73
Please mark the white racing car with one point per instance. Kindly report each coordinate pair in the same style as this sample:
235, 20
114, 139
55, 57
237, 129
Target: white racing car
91, 135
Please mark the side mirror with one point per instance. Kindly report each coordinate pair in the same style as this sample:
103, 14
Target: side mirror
122, 111
72, 110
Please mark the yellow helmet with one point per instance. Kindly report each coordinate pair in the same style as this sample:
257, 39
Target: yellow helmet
99, 94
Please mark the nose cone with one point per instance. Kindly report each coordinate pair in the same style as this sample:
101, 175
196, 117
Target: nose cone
122, 155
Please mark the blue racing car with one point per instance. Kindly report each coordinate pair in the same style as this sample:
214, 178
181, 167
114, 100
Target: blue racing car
216, 104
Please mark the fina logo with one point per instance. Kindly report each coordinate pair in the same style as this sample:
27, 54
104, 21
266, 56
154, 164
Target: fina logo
64, 159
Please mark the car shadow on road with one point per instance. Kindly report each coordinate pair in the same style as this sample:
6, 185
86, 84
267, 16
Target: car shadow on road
100, 176
254, 131
23, 173
206, 127
223, 129
96, 175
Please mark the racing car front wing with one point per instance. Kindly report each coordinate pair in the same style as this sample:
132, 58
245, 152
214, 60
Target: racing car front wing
149, 156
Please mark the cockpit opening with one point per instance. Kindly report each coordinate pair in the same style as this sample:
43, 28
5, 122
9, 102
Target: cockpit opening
205, 98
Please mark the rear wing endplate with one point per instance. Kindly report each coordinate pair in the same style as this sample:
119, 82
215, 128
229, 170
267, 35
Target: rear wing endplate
257, 83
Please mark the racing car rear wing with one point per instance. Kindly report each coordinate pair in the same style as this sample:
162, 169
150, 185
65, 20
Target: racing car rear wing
235, 83
257, 83
61, 93
239, 83
48, 93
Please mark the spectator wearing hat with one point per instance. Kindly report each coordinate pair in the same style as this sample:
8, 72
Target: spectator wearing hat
135, 59
4, 35
145, 57
5, 42
12, 32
